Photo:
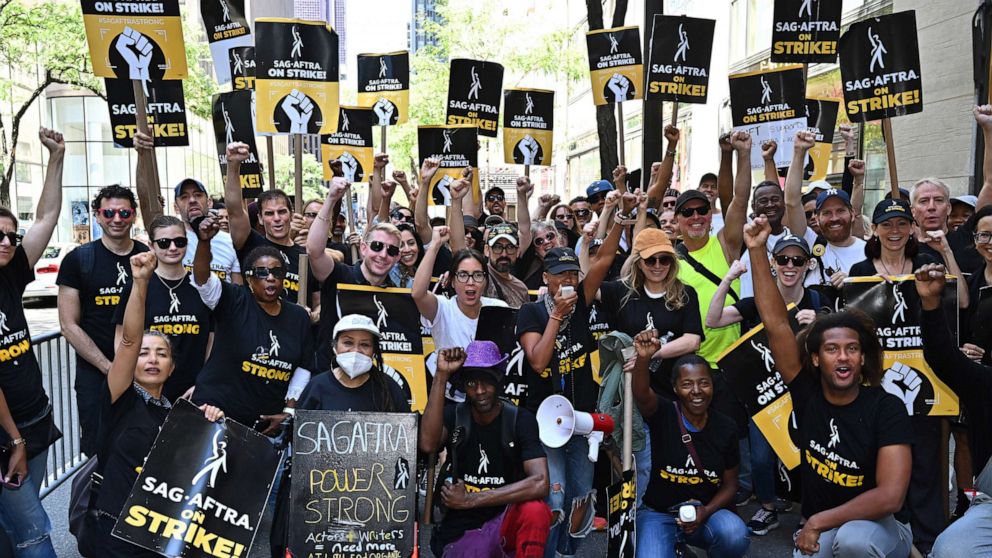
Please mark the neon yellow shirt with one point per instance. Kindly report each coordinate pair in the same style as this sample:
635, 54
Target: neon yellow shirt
711, 257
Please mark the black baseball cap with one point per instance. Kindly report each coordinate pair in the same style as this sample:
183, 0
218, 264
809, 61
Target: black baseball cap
791, 240
495, 190
890, 209
560, 260
688, 196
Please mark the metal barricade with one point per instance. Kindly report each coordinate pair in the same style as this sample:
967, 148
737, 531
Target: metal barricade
57, 360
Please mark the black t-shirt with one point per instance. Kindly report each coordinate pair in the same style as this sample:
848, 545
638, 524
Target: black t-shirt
675, 478
128, 428
482, 466
640, 311
325, 393
248, 373
839, 445
185, 319
570, 358
962, 243
341, 247
100, 289
341, 274
866, 267
290, 258
816, 301
20, 375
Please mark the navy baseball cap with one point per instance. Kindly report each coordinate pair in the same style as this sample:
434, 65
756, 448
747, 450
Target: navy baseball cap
560, 260
791, 240
903, 193
599, 187
832, 193
890, 209
199, 185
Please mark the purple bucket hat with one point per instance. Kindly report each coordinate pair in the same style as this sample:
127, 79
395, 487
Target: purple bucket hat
482, 356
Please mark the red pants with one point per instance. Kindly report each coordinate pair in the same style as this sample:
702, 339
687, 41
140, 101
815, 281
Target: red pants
520, 531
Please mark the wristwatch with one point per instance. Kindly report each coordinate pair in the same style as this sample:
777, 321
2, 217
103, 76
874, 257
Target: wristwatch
17, 442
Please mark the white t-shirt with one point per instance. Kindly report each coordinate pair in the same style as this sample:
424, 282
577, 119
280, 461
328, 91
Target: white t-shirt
834, 258
716, 223
225, 259
452, 328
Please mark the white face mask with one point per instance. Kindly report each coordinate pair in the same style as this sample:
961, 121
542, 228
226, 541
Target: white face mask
354, 363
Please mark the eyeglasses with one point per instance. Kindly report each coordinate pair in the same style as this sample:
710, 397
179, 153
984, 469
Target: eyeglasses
378, 245
656, 260
582, 212
475, 276
264, 272
542, 240
564, 217
809, 215
400, 216
980, 237
179, 241
310, 214
12, 237
503, 248
124, 213
690, 211
797, 261
495, 198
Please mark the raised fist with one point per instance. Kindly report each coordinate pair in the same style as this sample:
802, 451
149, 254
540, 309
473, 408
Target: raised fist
768, 149
299, 108
804, 141
528, 148
904, 382
619, 85
136, 50
52, 140
384, 110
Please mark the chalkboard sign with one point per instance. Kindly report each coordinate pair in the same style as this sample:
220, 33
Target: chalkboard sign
202, 489
353, 490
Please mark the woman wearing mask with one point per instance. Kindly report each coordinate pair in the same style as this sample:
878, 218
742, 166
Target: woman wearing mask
173, 306
132, 409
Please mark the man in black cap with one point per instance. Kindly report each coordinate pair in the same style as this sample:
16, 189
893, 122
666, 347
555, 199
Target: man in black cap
502, 251
496, 201
498, 481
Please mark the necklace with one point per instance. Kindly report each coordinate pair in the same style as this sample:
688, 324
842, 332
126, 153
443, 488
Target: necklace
173, 299
886, 268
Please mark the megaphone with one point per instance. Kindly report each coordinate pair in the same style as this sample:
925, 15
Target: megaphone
558, 421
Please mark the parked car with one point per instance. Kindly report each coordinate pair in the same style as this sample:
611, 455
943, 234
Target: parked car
47, 269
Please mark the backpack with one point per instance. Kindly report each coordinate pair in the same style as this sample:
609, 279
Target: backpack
610, 400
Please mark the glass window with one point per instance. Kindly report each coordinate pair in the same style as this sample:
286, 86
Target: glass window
107, 164
74, 173
68, 118
759, 25
97, 119
75, 202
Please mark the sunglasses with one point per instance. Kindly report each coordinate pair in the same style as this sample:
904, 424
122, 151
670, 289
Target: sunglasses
596, 198
12, 237
656, 260
582, 212
179, 241
809, 215
264, 272
564, 217
668, 204
496, 198
378, 245
475, 276
124, 213
542, 240
690, 211
400, 216
797, 261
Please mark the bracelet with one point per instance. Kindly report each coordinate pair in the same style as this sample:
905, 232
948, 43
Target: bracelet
322, 218
555, 318
621, 217
18, 442
670, 153
289, 411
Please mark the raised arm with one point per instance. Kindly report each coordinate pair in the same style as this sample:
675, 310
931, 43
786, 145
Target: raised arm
121, 373
646, 343
856, 168
795, 215
50, 202
983, 115
375, 183
620, 178
736, 214
209, 228
431, 434
387, 188
768, 150
421, 292
544, 205
237, 217
456, 221
600, 266
656, 192
725, 176
771, 305
524, 191
540, 347
421, 218
321, 263
719, 315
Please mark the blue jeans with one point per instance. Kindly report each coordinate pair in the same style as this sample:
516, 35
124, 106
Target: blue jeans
570, 473
642, 461
724, 535
763, 463
745, 485
885, 537
22, 516
969, 536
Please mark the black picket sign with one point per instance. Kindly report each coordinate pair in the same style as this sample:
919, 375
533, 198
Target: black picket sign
475, 89
806, 31
166, 112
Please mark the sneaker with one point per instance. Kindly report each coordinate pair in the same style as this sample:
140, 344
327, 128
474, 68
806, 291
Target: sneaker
742, 498
762, 522
782, 506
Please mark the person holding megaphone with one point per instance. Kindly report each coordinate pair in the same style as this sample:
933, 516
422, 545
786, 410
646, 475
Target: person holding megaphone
694, 461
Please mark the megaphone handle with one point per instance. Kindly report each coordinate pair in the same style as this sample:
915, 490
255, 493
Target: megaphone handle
594, 438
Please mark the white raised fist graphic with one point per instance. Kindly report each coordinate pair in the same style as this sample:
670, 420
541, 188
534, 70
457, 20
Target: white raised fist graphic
904, 382
349, 165
299, 108
619, 85
137, 52
384, 110
528, 148
443, 187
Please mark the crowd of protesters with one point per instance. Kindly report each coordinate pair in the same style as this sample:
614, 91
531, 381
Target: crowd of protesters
680, 276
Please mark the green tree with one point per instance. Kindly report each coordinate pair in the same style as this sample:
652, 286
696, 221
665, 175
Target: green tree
313, 175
